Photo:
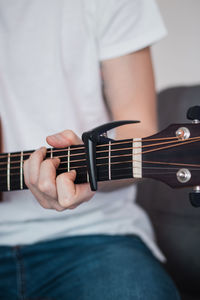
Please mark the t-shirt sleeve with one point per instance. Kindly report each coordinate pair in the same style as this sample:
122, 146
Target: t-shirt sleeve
125, 26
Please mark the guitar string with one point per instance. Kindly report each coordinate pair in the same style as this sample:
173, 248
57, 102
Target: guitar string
126, 168
83, 153
122, 169
112, 163
118, 162
103, 145
104, 176
83, 147
180, 143
194, 166
102, 151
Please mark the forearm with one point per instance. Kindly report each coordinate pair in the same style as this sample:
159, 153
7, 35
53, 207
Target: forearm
130, 95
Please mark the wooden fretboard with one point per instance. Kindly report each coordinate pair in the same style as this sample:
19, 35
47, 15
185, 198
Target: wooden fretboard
159, 156
114, 160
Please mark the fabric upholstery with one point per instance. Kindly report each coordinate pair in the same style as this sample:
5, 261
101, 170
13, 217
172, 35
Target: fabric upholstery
176, 222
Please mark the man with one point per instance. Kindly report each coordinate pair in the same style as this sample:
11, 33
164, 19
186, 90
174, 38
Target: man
52, 53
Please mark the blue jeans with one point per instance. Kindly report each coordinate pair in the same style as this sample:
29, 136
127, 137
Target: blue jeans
96, 267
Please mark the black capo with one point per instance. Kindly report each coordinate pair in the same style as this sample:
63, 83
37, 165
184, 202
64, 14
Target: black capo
91, 139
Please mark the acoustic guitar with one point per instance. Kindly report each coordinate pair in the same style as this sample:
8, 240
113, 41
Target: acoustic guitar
171, 156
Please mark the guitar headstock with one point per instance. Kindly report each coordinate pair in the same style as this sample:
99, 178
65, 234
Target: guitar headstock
173, 155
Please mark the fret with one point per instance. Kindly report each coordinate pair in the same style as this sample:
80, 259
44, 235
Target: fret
109, 161
3, 172
68, 159
112, 160
72, 158
87, 180
8, 173
102, 162
121, 157
21, 171
16, 171
137, 158
76, 159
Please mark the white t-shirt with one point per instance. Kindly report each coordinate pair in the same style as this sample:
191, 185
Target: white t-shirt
50, 80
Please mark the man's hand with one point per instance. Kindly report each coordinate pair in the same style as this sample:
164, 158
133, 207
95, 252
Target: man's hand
53, 192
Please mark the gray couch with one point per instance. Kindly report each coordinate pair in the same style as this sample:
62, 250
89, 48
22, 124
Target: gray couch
176, 222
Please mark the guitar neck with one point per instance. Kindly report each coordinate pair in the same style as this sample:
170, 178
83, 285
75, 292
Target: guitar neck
165, 156
114, 160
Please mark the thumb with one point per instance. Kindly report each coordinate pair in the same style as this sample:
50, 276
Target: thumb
63, 139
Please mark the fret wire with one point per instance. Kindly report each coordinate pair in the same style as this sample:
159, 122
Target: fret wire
133, 158
109, 160
8, 173
51, 153
68, 159
88, 179
21, 171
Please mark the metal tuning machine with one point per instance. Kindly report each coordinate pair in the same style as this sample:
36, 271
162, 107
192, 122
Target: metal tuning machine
91, 139
194, 115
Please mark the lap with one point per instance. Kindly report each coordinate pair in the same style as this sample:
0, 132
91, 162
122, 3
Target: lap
94, 267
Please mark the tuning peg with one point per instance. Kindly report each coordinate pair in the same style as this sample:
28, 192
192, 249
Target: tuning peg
193, 114
195, 197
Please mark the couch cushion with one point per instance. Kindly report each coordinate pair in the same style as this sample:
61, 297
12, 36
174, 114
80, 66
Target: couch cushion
176, 222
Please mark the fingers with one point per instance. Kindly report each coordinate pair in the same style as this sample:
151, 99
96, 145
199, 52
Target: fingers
63, 139
47, 177
40, 177
69, 194
32, 166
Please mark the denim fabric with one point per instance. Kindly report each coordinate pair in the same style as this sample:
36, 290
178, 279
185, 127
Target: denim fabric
84, 268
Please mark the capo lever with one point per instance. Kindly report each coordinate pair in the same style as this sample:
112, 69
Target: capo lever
91, 139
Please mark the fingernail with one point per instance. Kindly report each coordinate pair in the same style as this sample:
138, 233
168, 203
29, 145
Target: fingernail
57, 161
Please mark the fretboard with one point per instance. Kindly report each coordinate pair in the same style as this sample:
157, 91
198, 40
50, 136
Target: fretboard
114, 160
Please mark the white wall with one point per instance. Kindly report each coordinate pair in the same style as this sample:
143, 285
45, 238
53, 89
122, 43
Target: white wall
177, 57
